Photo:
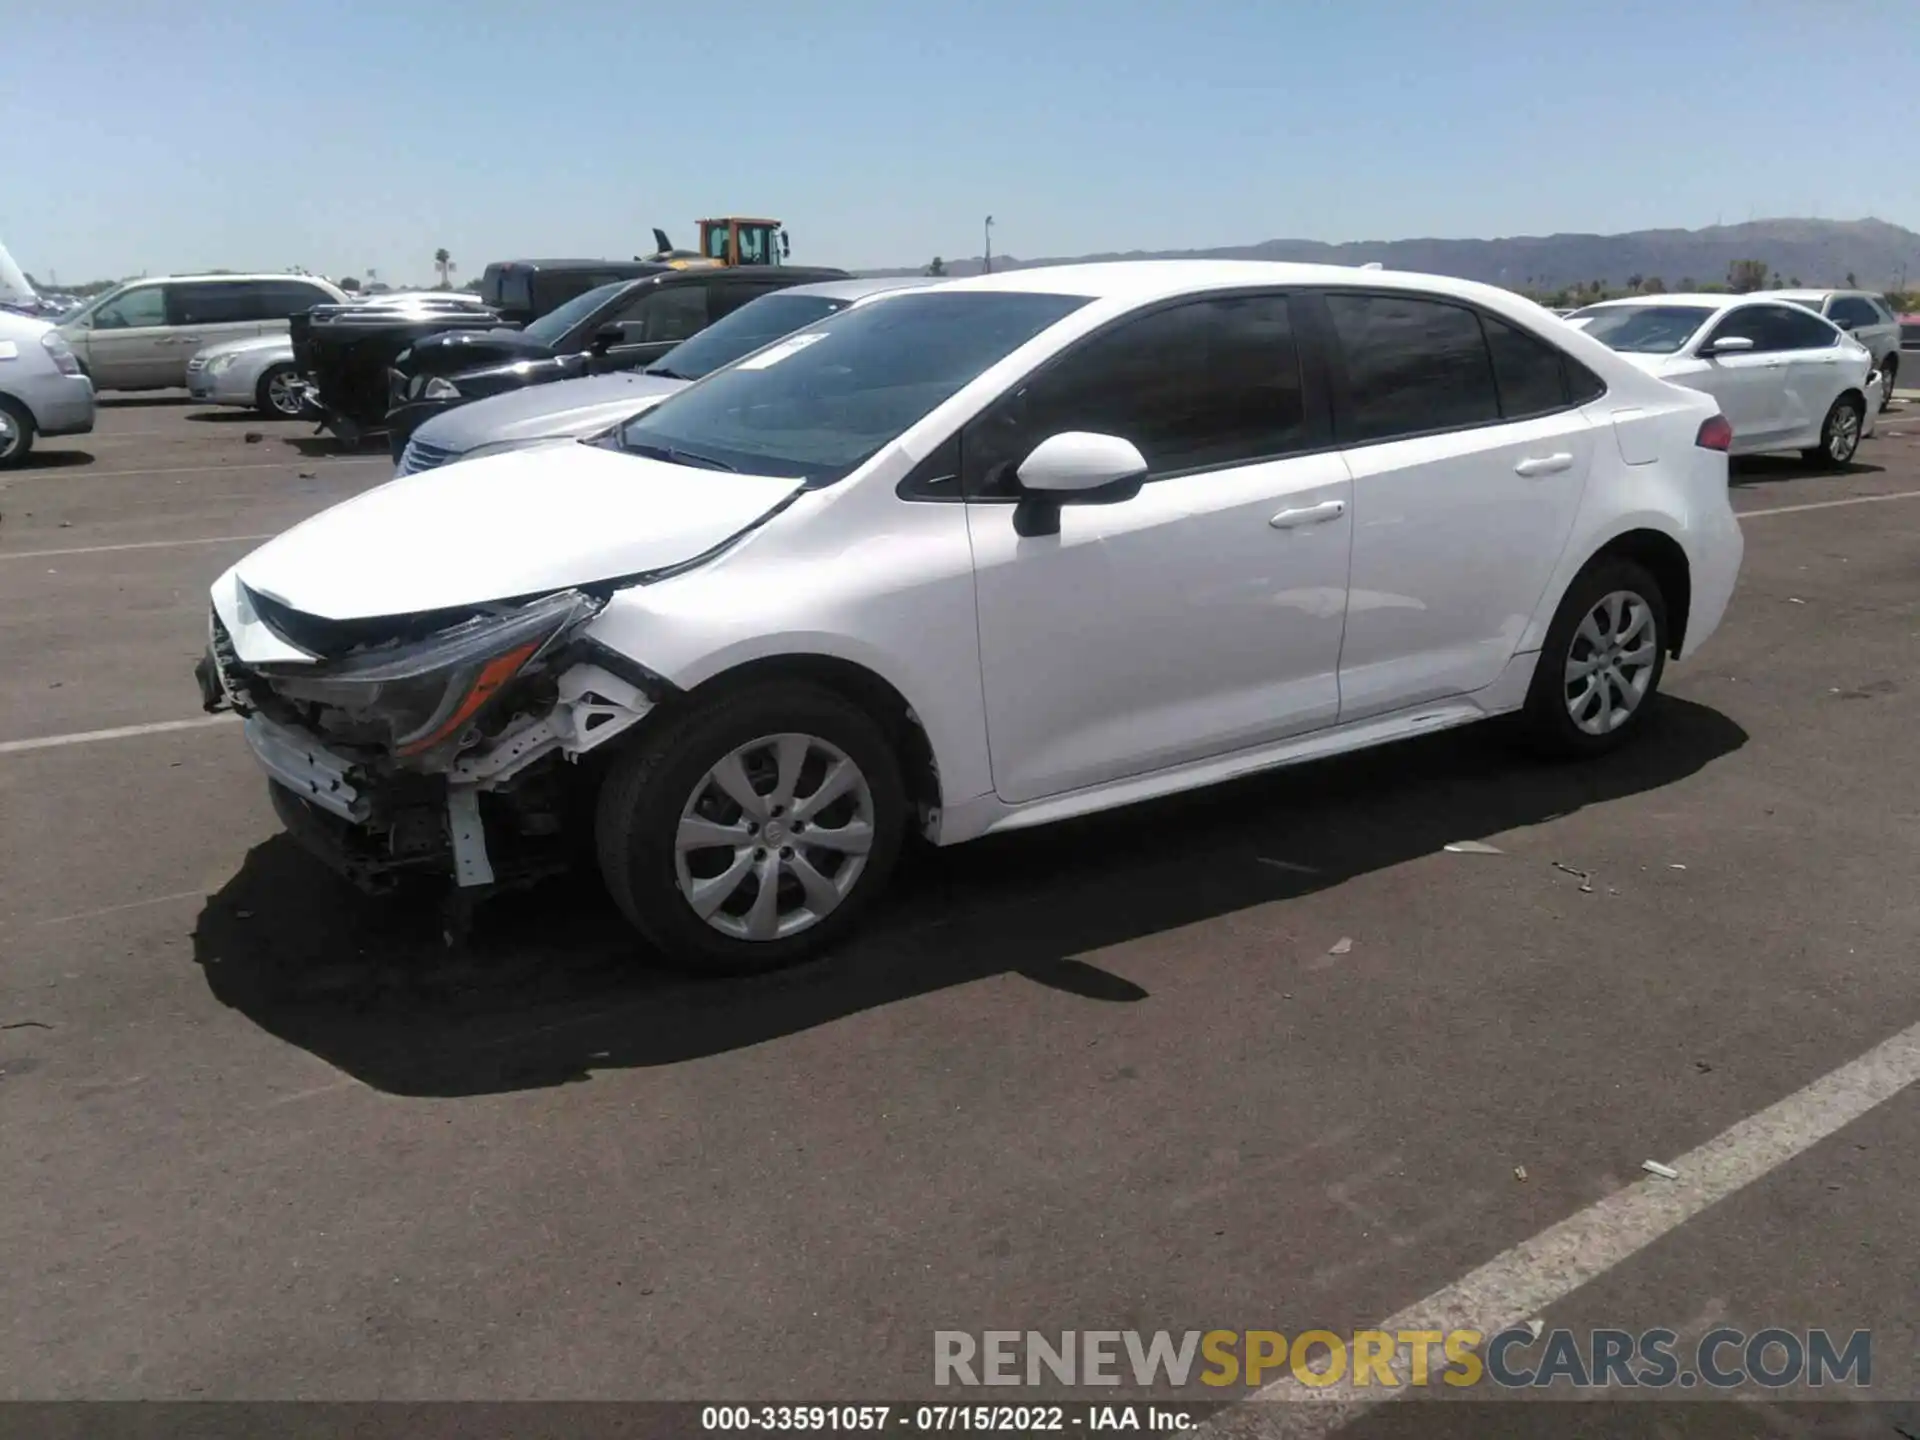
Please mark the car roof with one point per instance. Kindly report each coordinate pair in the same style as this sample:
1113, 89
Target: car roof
626, 267
860, 287
205, 277
1145, 280
1693, 301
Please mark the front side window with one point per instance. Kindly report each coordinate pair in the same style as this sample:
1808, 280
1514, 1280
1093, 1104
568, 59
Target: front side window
551, 328
1749, 322
132, 310
666, 315
1852, 310
1413, 366
1642, 329
1205, 383
1794, 330
743, 332
819, 404
230, 302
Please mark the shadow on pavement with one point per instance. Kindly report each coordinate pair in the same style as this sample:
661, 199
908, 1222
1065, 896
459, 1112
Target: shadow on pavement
111, 401
556, 987
49, 460
234, 415
319, 447
1765, 469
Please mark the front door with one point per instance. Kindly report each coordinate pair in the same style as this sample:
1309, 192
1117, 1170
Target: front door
1751, 385
1469, 455
1203, 615
129, 345
209, 312
652, 322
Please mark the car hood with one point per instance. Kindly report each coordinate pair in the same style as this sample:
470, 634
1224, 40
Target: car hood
451, 351
247, 344
503, 527
569, 409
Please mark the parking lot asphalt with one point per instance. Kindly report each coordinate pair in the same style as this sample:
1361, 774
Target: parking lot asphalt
1266, 1057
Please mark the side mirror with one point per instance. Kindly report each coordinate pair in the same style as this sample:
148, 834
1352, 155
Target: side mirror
1728, 345
1075, 467
606, 337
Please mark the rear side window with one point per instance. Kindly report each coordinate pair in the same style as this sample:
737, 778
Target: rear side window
1413, 366
1206, 383
506, 287
1792, 329
664, 315
1528, 372
280, 299
213, 303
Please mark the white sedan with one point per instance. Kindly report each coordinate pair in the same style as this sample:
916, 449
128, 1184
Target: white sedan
1786, 378
985, 556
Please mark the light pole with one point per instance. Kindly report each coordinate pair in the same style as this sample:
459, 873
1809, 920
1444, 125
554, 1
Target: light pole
986, 262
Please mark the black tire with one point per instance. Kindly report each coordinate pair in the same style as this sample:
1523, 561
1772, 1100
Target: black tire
643, 797
15, 449
1547, 721
262, 394
1889, 381
1824, 456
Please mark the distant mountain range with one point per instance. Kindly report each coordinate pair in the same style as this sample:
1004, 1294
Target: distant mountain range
1880, 256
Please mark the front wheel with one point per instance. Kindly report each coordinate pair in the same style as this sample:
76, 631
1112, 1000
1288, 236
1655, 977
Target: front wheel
279, 394
1839, 435
751, 832
1599, 670
16, 431
1889, 381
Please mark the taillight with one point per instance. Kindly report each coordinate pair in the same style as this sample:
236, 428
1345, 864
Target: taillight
1715, 434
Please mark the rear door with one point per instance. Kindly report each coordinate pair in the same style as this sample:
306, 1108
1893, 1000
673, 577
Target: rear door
208, 312
129, 344
1816, 370
280, 300
1469, 453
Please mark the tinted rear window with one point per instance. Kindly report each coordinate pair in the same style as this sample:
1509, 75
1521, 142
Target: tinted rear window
1528, 371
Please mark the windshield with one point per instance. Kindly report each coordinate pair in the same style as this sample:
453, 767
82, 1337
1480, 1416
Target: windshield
1642, 329
743, 332
551, 327
818, 404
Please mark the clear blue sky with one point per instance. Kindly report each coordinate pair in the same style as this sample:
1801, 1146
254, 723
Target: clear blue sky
140, 135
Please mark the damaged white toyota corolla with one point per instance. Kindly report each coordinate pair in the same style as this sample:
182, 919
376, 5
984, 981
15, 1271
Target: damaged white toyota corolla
1018, 548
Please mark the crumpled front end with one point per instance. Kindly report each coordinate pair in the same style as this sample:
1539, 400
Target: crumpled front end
438, 743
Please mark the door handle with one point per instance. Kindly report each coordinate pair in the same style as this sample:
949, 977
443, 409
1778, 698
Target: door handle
1544, 465
1309, 515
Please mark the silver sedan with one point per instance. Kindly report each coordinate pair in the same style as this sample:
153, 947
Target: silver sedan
254, 373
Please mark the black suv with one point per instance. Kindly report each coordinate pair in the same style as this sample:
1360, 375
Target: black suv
625, 325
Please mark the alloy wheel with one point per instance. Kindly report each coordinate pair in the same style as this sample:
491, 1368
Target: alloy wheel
1843, 433
284, 395
9, 436
774, 837
1611, 662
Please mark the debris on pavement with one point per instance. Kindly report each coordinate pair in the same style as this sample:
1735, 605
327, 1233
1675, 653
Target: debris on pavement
1676, 867
1795, 600
1585, 878
308, 474
1520, 1173
1536, 1328
1665, 1172
1703, 1067
1474, 847
1341, 946
253, 437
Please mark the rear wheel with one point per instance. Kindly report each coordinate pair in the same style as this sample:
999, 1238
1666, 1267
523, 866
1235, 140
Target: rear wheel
1599, 670
16, 431
278, 393
1889, 380
753, 831
1839, 435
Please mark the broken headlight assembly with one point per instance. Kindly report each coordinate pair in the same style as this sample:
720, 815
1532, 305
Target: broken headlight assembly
426, 697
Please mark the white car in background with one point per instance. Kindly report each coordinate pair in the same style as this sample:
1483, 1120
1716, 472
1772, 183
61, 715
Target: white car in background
1785, 378
975, 558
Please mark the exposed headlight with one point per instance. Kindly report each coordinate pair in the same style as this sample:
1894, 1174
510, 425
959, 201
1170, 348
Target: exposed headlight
440, 389
61, 353
428, 693
219, 363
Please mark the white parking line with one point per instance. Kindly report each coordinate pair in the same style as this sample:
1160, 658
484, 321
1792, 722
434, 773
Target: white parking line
121, 732
132, 545
1828, 504
1515, 1287
82, 472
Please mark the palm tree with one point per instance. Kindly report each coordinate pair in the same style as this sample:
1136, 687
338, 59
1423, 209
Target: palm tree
445, 261
938, 267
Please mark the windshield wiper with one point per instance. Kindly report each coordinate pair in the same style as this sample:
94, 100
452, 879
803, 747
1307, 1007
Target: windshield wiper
677, 457
666, 373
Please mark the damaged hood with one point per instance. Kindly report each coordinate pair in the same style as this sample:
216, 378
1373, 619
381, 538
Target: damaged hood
504, 526
569, 409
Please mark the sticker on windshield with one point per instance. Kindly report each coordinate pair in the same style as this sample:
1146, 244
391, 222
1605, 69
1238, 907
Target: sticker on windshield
774, 354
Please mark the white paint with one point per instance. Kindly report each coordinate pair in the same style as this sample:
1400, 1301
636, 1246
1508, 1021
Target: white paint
1519, 1284
135, 545
116, 909
121, 732
1828, 504
69, 474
